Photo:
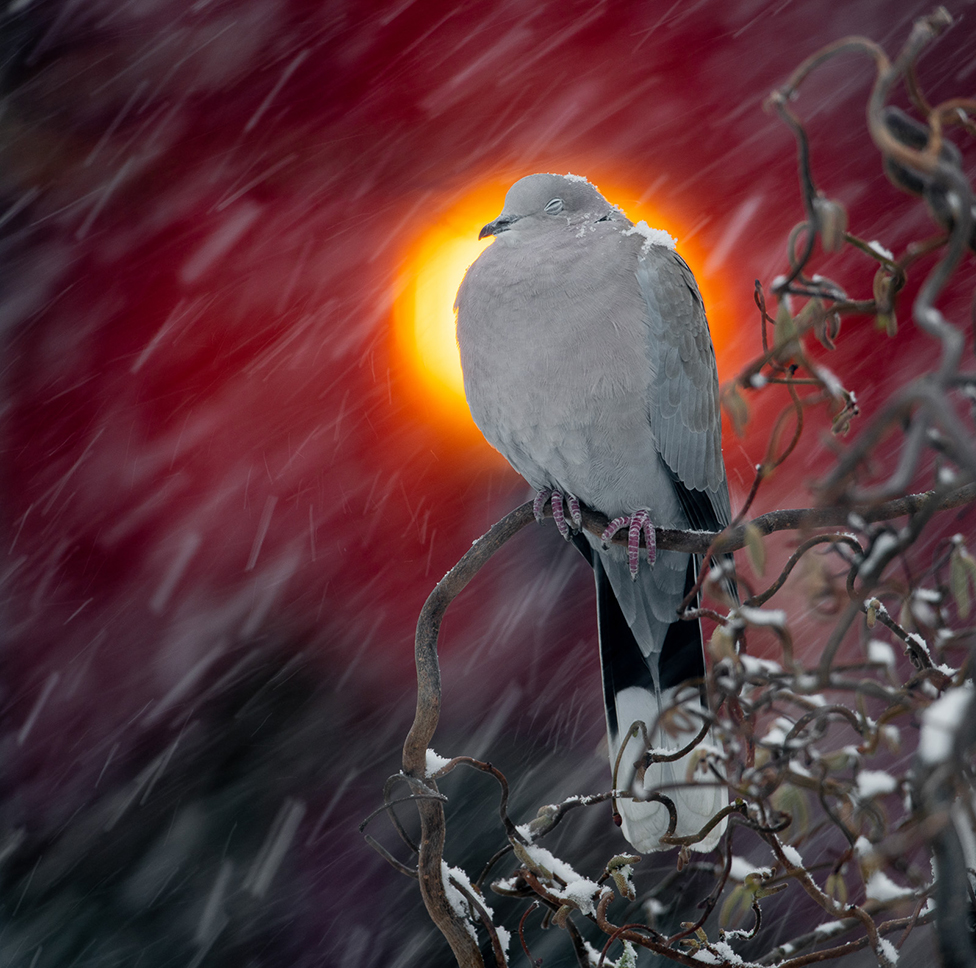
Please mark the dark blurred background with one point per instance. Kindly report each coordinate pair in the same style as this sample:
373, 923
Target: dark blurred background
225, 494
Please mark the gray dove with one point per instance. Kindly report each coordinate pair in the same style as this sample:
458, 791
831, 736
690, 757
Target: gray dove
588, 364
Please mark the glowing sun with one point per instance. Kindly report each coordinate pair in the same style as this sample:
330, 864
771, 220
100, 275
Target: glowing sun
424, 308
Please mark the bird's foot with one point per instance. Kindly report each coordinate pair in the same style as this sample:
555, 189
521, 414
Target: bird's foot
556, 499
641, 521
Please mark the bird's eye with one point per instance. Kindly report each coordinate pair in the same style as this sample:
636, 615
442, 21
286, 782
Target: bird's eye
554, 206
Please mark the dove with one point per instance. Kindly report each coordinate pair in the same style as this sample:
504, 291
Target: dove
588, 363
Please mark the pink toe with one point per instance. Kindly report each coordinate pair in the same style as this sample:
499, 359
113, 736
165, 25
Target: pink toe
613, 527
539, 504
633, 543
650, 539
558, 514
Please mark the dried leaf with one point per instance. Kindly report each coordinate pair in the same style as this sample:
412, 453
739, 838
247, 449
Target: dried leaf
735, 407
884, 299
842, 423
812, 316
836, 887
905, 617
831, 223
959, 580
790, 800
838, 760
762, 892
755, 548
722, 644
825, 325
624, 886
832, 327
735, 908
874, 606
698, 757
888, 322
786, 337
881, 286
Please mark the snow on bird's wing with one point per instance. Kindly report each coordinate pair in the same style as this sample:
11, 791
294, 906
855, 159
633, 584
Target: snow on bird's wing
683, 400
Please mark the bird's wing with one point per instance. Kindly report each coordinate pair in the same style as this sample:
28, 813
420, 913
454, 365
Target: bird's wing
639, 619
683, 400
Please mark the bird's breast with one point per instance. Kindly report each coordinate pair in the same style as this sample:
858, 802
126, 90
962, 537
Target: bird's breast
553, 349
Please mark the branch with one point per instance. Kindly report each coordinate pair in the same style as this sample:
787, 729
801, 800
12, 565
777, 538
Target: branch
788, 519
432, 826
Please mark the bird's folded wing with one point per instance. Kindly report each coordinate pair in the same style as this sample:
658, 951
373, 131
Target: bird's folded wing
683, 388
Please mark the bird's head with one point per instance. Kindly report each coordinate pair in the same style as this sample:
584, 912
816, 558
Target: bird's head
537, 202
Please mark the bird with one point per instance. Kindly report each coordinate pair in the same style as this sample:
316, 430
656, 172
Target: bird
588, 364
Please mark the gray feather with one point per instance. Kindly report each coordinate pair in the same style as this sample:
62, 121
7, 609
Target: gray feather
588, 363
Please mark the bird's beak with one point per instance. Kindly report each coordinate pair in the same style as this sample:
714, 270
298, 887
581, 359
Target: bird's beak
501, 224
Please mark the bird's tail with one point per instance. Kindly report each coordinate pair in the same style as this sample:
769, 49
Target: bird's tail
668, 710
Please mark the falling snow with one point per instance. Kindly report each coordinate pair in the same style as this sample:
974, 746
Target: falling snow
228, 492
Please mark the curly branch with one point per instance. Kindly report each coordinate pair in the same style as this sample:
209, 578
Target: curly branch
788, 519
432, 825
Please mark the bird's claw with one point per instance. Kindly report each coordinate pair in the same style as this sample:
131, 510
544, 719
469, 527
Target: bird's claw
539, 504
555, 498
640, 522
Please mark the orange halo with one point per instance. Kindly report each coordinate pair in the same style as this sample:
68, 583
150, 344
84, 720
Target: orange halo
423, 312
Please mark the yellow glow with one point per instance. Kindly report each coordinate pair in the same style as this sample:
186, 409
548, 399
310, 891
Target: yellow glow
424, 310
438, 278
424, 319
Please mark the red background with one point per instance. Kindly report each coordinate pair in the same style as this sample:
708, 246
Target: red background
207, 211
